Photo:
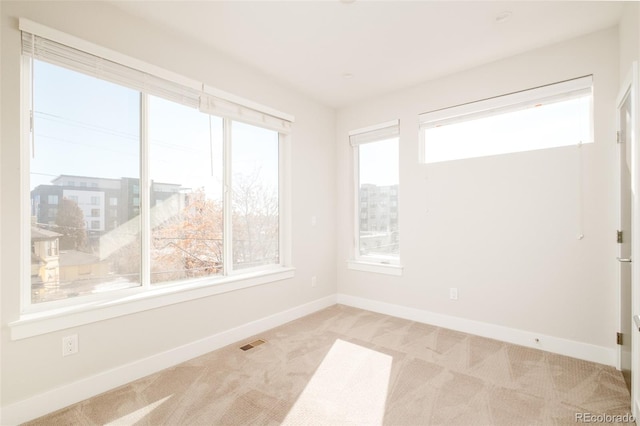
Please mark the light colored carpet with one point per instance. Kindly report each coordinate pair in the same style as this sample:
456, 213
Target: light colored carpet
348, 366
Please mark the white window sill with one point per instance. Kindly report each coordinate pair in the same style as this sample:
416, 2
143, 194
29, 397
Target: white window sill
376, 267
34, 324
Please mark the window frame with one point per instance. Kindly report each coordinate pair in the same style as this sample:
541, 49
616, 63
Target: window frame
39, 318
506, 103
390, 265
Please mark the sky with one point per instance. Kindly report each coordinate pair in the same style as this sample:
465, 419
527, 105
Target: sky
90, 127
82, 126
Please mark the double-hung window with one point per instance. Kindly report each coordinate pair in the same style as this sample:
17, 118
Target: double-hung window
192, 178
555, 115
376, 177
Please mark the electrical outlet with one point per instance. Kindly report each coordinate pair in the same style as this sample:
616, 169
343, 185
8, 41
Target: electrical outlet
313, 281
70, 345
453, 293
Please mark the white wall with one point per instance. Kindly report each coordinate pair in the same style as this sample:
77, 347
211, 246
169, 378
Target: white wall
503, 229
35, 365
628, 34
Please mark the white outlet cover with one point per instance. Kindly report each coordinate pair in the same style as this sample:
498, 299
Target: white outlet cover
70, 345
453, 293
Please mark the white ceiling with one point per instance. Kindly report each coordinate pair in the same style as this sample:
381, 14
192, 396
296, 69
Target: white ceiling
384, 45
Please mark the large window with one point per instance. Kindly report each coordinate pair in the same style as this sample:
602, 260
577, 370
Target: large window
377, 178
551, 116
191, 181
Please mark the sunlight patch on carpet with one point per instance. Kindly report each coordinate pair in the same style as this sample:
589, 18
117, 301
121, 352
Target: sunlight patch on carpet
137, 415
349, 387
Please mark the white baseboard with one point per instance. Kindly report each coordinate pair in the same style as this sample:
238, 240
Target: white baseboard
63, 396
580, 350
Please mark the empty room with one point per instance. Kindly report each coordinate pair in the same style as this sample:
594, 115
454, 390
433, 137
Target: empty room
319, 212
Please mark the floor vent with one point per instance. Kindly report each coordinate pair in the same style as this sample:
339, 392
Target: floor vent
252, 344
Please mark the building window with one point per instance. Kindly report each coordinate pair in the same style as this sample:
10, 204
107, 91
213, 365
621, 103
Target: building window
545, 117
52, 199
52, 248
146, 129
376, 159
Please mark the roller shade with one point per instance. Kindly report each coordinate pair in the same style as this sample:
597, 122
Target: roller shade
55, 53
388, 130
57, 48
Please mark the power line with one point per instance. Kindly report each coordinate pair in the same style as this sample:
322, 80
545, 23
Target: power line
85, 125
110, 131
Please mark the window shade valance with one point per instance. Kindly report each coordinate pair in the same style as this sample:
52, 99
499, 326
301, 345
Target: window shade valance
375, 133
216, 105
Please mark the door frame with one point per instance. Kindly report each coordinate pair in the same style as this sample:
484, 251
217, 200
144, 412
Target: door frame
631, 86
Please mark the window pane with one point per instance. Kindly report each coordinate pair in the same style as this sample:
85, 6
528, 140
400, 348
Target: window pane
378, 177
545, 126
86, 149
186, 192
255, 219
